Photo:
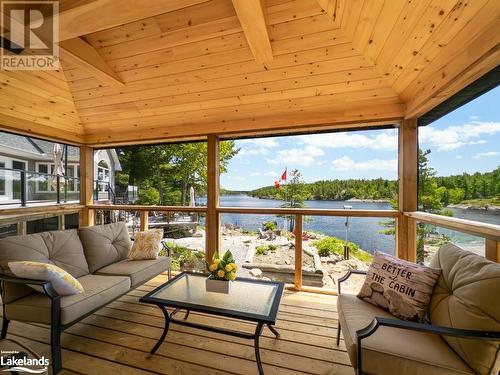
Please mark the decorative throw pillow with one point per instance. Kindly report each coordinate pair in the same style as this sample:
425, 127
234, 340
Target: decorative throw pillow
146, 245
63, 283
403, 288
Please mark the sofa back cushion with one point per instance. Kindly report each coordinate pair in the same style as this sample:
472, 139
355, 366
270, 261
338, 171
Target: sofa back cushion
467, 296
62, 248
105, 244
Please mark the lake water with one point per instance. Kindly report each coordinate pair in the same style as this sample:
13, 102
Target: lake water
365, 232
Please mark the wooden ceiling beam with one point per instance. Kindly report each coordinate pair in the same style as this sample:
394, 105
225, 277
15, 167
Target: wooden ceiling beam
251, 14
78, 52
104, 14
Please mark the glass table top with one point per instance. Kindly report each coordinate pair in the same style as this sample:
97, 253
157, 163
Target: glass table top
246, 297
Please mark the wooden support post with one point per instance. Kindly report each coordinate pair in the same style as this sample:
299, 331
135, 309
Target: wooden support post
298, 251
406, 228
21, 228
87, 184
212, 227
61, 222
144, 224
492, 250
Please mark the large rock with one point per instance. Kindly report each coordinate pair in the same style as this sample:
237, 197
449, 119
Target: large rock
255, 272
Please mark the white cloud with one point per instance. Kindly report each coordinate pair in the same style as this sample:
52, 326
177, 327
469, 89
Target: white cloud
270, 173
485, 154
454, 137
345, 163
257, 146
296, 157
385, 141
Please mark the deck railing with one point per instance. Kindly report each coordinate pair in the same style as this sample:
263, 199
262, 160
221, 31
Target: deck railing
490, 232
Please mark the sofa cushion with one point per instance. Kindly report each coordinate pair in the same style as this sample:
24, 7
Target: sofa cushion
147, 245
62, 248
392, 350
98, 291
139, 271
467, 296
62, 282
105, 244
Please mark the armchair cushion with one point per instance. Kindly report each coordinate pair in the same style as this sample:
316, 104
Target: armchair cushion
147, 245
391, 350
466, 296
105, 244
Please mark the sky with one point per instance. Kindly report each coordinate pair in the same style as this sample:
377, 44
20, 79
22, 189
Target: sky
465, 140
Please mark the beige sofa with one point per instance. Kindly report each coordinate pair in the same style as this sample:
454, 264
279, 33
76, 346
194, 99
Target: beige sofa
96, 256
463, 333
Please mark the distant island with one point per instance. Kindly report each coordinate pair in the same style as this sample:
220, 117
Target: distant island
478, 190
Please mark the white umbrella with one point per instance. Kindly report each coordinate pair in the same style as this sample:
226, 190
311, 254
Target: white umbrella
192, 202
57, 153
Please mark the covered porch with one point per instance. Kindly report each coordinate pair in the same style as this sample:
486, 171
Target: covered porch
174, 71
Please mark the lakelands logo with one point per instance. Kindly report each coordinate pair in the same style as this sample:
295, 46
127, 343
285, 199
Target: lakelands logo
30, 33
15, 361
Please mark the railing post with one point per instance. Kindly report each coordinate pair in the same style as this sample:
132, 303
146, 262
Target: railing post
21, 228
212, 220
58, 189
144, 223
492, 250
23, 188
298, 251
406, 245
86, 184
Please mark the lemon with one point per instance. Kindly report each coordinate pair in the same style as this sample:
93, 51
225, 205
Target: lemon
228, 267
231, 276
212, 267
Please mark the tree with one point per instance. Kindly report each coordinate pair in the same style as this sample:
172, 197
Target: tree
171, 168
294, 193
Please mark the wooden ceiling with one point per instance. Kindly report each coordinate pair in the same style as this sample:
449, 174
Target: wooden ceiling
187, 68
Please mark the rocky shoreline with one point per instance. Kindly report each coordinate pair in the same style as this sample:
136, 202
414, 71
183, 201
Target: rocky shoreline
486, 207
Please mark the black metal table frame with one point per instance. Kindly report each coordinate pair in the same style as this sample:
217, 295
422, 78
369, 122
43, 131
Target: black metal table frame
170, 317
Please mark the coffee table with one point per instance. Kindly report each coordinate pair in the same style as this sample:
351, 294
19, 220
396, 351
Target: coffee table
248, 299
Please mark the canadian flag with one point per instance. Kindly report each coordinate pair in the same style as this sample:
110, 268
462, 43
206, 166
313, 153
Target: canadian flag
283, 176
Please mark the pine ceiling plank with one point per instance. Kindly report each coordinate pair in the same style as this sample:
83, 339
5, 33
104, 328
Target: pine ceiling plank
431, 21
31, 127
366, 23
253, 21
94, 16
482, 54
230, 113
355, 113
163, 107
193, 84
79, 52
351, 16
459, 18
408, 19
334, 9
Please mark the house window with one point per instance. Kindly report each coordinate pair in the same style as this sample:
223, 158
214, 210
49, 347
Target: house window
103, 174
2, 178
43, 179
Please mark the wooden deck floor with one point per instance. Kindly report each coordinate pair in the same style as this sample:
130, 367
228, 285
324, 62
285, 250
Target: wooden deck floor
117, 338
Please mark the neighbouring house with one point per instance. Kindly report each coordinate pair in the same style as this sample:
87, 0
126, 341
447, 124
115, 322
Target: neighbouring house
27, 165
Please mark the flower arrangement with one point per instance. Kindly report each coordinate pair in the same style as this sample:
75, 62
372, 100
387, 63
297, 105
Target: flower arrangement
222, 269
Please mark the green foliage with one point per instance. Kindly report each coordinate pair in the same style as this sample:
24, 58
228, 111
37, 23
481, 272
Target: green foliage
264, 249
338, 190
270, 225
171, 169
294, 192
332, 245
222, 269
148, 195
182, 256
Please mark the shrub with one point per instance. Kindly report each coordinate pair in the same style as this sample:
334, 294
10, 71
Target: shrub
262, 249
331, 245
273, 247
270, 225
